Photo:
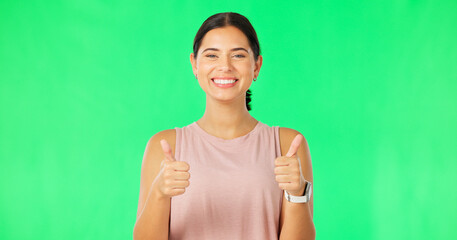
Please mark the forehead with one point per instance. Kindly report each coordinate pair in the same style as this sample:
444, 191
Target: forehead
225, 37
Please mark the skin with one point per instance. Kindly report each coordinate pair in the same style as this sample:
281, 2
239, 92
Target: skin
227, 117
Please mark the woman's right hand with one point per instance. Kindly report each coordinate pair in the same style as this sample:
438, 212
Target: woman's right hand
173, 177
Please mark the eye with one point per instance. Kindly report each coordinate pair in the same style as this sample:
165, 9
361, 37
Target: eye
239, 56
210, 55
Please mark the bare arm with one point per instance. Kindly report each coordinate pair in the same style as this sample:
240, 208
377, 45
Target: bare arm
296, 221
153, 215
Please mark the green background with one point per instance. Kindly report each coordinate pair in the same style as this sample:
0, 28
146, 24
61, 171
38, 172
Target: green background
371, 85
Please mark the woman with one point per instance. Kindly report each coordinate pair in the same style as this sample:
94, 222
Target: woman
249, 180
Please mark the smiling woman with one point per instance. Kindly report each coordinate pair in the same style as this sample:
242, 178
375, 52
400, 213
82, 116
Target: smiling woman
249, 180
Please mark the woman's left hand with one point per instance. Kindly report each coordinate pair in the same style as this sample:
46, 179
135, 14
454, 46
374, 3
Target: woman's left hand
288, 170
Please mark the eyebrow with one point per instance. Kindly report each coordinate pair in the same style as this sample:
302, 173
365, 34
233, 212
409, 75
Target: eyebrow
233, 49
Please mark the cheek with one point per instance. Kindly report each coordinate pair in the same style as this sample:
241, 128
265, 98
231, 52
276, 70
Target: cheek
205, 68
246, 66
204, 85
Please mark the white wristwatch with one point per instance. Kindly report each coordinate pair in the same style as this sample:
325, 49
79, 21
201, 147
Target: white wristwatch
300, 199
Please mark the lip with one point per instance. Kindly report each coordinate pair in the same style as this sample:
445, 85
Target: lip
225, 78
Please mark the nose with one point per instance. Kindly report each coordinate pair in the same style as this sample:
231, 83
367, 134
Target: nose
225, 63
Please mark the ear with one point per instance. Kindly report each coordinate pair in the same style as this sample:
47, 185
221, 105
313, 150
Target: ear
258, 65
193, 63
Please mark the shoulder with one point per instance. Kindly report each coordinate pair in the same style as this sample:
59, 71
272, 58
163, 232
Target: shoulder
154, 142
285, 132
286, 135
167, 134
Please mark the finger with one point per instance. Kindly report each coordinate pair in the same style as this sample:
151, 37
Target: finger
282, 161
181, 175
282, 170
294, 145
167, 150
282, 179
180, 184
284, 186
181, 166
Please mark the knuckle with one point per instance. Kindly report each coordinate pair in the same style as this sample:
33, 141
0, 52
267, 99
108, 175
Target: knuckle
187, 167
182, 165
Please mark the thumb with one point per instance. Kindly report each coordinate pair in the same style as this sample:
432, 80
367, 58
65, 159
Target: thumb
294, 145
167, 150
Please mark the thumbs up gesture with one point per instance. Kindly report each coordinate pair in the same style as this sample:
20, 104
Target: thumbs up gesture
288, 170
173, 177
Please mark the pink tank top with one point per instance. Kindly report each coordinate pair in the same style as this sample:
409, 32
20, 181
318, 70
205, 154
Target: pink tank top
233, 193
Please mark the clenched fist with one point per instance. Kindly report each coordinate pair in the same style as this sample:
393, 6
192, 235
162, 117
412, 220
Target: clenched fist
173, 177
288, 170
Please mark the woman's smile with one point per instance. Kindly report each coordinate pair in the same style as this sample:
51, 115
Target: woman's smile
224, 82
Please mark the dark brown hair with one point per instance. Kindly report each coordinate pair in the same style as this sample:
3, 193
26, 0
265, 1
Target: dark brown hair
230, 19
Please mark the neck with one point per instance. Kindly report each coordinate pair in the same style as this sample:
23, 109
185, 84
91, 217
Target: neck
227, 120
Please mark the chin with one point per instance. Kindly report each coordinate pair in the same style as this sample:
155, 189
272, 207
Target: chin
227, 97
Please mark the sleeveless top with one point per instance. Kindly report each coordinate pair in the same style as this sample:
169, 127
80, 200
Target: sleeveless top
233, 193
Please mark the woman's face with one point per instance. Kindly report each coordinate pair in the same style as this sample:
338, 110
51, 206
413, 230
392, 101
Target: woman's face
224, 56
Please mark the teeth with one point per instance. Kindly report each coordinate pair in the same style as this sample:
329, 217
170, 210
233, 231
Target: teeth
223, 81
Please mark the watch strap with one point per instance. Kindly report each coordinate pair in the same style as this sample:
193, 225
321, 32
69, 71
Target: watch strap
300, 199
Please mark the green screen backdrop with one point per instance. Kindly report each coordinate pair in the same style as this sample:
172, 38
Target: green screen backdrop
371, 85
